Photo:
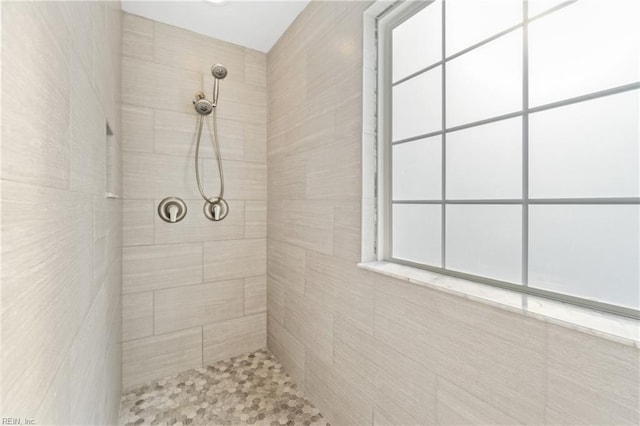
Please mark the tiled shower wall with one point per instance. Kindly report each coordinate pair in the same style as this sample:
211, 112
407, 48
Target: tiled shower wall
194, 292
61, 237
370, 349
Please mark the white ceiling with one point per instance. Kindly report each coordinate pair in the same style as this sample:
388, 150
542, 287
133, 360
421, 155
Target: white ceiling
254, 24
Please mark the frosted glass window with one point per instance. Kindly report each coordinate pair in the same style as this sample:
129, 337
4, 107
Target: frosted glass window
485, 240
485, 82
485, 161
417, 169
589, 251
469, 22
588, 149
417, 42
588, 46
417, 230
417, 105
569, 153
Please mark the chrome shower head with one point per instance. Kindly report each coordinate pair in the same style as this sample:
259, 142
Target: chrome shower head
219, 71
202, 105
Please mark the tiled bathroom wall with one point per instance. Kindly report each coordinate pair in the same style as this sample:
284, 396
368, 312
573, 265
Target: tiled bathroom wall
371, 349
61, 236
194, 292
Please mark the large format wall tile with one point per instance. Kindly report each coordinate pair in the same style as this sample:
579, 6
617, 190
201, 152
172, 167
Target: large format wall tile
286, 266
158, 356
307, 224
137, 315
506, 368
137, 222
184, 307
35, 147
233, 337
61, 251
255, 295
156, 176
141, 81
161, 266
137, 37
234, 259
288, 350
194, 273
591, 380
46, 265
456, 406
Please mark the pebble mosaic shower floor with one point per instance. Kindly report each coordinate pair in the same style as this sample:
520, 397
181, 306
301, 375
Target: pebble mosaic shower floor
247, 389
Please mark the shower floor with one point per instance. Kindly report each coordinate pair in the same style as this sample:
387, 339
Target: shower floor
247, 389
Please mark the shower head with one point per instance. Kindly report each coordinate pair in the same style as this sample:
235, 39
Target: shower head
219, 71
203, 106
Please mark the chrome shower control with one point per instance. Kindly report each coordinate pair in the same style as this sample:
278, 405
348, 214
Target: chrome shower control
172, 209
216, 210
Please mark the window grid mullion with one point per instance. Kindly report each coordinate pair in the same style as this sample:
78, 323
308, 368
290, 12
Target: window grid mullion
525, 145
443, 224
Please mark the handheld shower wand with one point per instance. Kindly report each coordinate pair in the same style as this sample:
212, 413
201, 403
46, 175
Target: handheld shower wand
219, 72
215, 208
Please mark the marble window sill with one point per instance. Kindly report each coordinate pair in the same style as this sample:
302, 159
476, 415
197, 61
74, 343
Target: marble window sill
609, 326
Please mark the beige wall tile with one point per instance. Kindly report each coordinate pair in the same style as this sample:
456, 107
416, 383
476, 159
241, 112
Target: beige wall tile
311, 324
288, 349
346, 230
341, 403
159, 162
307, 224
46, 265
401, 387
88, 355
286, 265
333, 171
255, 142
591, 380
61, 239
56, 405
255, 219
234, 259
286, 176
137, 222
161, 266
137, 37
152, 357
255, 67
137, 129
176, 134
185, 307
275, 300
334, 283
137, 315
195, 227
156, 176
255, 295
141, 80
185, 49
233, 337
35, 147
243, 180
88, 168
504, 365
457, 406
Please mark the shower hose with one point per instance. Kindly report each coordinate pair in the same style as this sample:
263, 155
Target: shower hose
216, 146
